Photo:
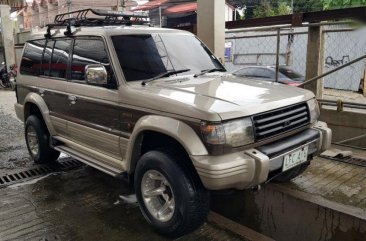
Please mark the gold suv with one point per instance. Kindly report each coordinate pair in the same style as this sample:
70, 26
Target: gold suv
157, 107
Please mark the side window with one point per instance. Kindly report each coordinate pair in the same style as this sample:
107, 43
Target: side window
59, 59
46, 61
262, 73
32, 56
86, 52
242, 72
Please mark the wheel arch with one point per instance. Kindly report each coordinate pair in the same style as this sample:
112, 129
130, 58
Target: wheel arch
34, 104
162, 128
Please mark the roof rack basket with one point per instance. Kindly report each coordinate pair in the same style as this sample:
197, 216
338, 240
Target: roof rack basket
105, 18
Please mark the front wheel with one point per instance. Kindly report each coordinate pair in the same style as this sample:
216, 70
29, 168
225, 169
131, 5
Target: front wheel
37, 140
171, 196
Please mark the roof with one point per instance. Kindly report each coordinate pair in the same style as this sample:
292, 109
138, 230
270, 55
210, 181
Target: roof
179, 8
109, 31
150, 5
182, 8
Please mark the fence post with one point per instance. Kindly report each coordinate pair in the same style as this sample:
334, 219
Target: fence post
364, 82
314, 60
278, 53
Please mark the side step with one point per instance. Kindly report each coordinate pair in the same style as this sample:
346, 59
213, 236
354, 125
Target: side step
88, 160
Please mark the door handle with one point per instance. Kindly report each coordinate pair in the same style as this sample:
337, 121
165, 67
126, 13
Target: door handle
41, 92
72, 99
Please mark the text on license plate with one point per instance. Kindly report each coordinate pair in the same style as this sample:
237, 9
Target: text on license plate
295, 158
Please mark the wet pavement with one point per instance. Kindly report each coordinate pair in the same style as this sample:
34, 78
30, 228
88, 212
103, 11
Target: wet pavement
82, 204
13, 153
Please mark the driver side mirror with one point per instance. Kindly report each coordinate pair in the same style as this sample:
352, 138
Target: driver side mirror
96, 74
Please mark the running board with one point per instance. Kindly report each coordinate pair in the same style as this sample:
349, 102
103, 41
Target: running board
87, 160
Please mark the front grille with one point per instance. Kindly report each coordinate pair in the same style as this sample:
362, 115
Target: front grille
275, 122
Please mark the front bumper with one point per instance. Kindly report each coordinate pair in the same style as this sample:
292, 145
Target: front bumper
245, 169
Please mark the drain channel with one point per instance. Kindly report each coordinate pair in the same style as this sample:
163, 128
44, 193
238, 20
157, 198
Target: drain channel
351, 160
63, 164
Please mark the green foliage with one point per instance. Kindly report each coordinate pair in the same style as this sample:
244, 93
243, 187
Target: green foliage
283, 9
266, 9
333, 4
304, 6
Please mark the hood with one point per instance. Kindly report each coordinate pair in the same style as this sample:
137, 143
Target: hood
227, 95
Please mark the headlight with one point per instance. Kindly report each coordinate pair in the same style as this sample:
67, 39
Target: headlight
314, 110
234, 133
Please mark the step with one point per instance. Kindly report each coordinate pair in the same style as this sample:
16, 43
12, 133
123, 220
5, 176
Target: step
327, 202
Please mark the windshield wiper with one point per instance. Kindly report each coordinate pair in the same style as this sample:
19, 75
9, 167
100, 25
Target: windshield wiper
205, 71
165, 74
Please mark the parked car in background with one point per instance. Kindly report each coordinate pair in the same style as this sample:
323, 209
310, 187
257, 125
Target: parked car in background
285, 76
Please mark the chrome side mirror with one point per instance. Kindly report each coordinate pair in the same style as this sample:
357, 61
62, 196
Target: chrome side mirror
96, 74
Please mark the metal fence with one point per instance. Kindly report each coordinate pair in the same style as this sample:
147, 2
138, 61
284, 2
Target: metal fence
342, 42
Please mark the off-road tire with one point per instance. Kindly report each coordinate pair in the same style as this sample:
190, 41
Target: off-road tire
191, 198
45, 152
292, 173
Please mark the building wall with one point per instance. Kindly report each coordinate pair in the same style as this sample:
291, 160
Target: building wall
38, 13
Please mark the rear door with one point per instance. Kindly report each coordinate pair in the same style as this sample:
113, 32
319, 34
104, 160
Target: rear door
53, 73
45, 63
93, 110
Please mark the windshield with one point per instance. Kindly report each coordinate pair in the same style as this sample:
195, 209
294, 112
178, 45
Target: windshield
144, 57
289, 73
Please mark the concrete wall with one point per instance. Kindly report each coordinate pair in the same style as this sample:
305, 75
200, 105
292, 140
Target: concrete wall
346, 125
286, 215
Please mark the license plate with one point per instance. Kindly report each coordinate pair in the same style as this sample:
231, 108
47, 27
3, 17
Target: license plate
295, 158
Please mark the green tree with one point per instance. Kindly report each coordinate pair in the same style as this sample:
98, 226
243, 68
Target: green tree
283, 9
304, 6
265, 9
333, 4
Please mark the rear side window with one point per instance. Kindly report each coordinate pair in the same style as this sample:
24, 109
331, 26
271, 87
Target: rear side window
242, 72
32, 57
59, 59
45, 69
263, 73
86, 52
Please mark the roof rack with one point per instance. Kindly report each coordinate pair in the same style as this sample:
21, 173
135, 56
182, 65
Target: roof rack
79, 18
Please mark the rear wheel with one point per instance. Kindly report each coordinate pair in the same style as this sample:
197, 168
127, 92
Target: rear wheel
171, 196
37, 140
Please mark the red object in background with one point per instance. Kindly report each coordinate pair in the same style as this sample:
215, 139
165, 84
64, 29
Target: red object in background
150, 5
292, 83
182, 8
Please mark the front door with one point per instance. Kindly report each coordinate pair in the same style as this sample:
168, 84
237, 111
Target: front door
93, 110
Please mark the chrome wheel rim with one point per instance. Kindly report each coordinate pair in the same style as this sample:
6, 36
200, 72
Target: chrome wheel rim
158, 195
33, 142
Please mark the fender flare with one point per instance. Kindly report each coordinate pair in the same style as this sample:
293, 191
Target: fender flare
173, 128
41, 104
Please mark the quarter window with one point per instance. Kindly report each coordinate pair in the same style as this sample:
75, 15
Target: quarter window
60, 55
32, 56
45, 70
